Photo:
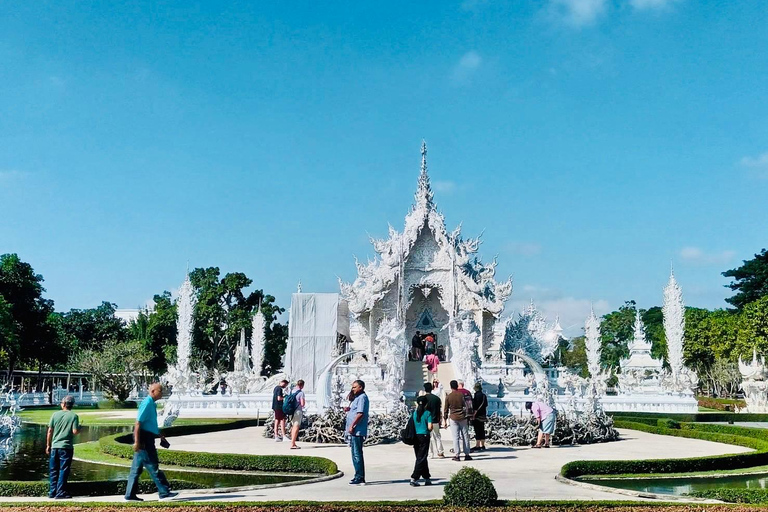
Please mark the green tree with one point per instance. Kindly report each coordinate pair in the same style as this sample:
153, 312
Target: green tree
115, 366
575, 358
753, 329
653, 318
223, 309
28, 336
156, 330
92, 328
615, 332
750, 280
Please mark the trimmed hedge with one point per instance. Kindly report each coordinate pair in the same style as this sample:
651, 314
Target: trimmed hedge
701, 417
756, 439
667, 423
120, 445
734, 495
36, 489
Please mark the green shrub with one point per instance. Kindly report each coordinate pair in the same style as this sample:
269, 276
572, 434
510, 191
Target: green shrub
119, 445
741, 436
470, 488
93, 488
734, 495
667, 423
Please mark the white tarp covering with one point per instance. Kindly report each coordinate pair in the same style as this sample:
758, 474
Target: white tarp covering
315, 321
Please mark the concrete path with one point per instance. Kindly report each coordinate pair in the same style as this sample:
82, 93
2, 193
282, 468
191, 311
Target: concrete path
519, 473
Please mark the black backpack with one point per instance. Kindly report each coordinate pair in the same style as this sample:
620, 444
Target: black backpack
408, 434
290, 404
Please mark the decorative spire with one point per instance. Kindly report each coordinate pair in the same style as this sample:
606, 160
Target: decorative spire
673, 310
592, 343
298, 287
424, 193
185, 305
639, 342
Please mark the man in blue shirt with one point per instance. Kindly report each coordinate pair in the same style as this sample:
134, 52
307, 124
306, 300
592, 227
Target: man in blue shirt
357, 429
145, 431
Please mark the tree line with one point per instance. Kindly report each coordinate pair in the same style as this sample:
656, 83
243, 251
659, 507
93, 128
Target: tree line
714, 339
34, 336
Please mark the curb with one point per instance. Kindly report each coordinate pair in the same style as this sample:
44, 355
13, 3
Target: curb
636, 494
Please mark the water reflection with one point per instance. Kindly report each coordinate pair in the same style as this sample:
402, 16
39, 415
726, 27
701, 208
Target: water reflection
28, 461
680, 486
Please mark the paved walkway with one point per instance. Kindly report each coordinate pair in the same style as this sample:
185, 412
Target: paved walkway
518, 473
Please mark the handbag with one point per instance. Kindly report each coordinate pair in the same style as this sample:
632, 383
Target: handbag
408, 434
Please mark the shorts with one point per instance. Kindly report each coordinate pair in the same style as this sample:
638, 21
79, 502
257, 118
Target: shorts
297, 416
279, 414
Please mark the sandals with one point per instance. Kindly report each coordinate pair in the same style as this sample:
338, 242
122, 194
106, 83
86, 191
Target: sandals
295, 447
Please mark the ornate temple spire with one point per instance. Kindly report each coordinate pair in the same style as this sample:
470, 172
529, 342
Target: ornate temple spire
673, 310
185, 305
592, 343
424, 193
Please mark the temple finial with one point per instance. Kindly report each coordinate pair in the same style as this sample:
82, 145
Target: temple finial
424, 192
298, 287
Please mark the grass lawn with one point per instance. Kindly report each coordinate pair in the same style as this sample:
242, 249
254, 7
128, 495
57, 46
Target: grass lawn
109, 417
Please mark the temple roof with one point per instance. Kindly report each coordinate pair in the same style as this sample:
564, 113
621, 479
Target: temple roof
475, 283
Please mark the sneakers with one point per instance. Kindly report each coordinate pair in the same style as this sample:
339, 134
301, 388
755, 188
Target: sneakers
456, 458
414, 483
427, 481
440, 455
278, 439
169, 495
63, 496
468, 458
355, 481
133, 498
474, 449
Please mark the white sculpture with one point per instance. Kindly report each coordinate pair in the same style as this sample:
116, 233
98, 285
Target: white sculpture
179, 376
680, 379
392, 355
239, 378
640, 372
592, 343
531, 333
258, 341
755, 383
464, 357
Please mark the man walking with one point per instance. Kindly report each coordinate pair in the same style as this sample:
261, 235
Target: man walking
145, 430
277, 408
357, 429
455, 408
434, 406
59, 444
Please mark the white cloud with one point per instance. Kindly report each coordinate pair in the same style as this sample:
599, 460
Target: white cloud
578, 12
466, 67
758, 165
444, 186
571, 310
643, 5
701, 257
524, 248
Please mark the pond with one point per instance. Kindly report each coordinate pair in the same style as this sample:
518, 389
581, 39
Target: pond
28, 461
680, 486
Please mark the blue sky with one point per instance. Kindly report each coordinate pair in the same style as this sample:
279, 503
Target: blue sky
595, 141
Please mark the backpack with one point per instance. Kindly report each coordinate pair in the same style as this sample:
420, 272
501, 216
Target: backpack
469, 409
290, 403
408, 434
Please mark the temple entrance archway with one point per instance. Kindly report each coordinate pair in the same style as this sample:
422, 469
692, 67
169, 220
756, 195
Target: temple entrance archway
426, 314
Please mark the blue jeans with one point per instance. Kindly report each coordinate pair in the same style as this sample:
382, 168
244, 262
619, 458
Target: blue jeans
146, 458
59, 465
356, 443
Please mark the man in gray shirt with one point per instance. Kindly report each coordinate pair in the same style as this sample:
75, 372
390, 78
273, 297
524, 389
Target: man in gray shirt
357, 429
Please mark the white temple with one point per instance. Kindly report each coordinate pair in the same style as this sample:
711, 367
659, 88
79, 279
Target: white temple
428, 279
